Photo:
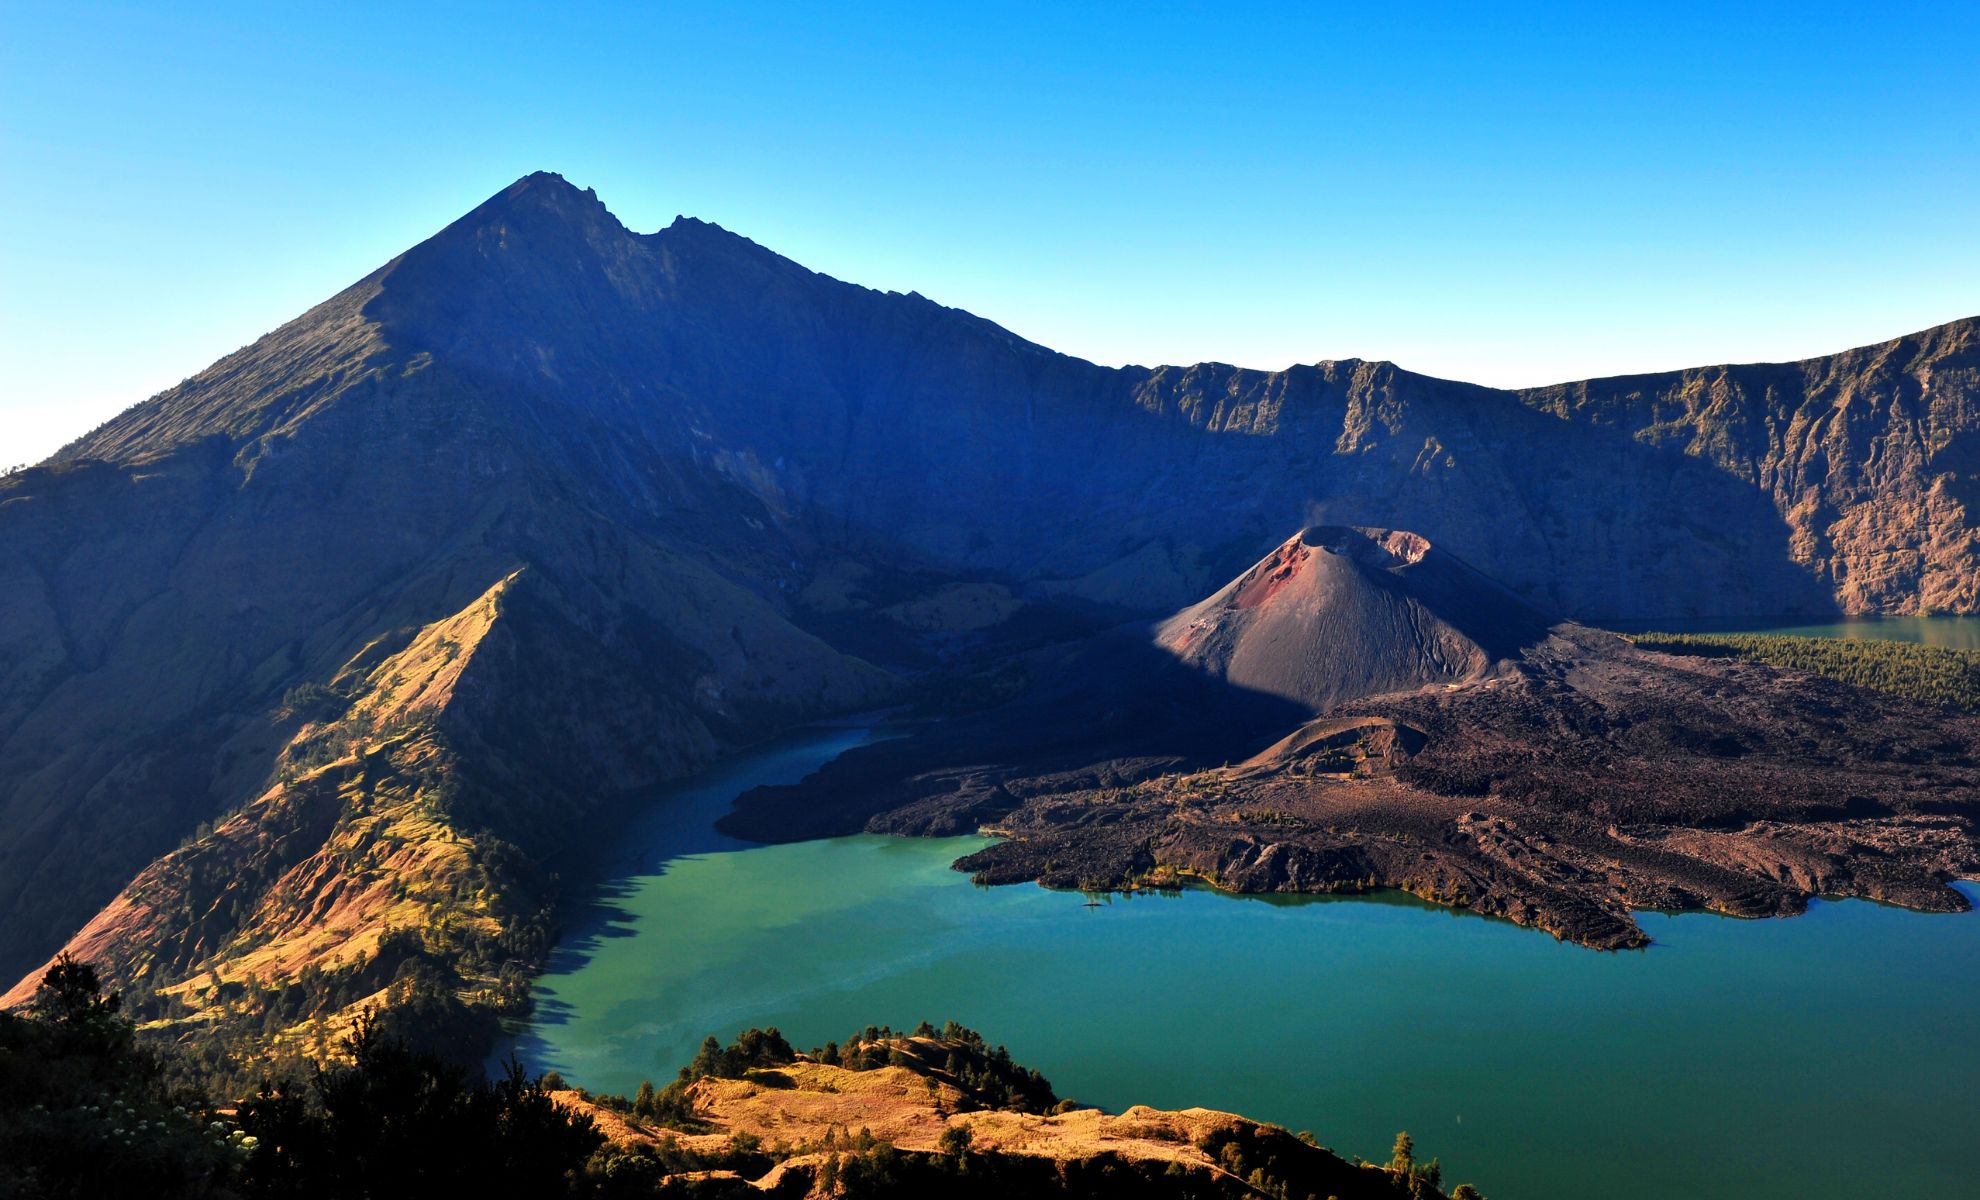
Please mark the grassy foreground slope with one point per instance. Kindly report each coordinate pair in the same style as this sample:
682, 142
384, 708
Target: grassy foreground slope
87, 1109
390, 858
308, 664
1932, 674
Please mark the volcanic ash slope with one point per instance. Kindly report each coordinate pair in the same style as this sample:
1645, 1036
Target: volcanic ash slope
1360, 710
1338, 613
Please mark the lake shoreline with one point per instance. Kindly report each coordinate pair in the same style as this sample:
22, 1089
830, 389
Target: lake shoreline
1362, 1014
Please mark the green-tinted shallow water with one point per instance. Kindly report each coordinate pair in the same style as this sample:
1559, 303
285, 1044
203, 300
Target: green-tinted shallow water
1834, 1054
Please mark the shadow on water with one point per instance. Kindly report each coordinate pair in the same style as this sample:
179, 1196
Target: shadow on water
639, 838
1733, 1059
1116, 704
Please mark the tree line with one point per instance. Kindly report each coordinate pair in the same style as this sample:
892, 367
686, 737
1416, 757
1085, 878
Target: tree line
1931, 674
88, 1109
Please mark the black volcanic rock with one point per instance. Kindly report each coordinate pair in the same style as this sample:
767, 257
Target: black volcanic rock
1362, 710
682, 436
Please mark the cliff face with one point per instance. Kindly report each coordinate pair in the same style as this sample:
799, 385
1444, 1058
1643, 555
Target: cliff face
1871, 457
674, 440
893, 426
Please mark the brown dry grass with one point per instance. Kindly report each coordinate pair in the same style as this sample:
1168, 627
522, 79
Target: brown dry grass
797, 1108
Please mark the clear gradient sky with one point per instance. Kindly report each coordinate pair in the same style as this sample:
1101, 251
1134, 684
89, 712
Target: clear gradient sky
1513, 194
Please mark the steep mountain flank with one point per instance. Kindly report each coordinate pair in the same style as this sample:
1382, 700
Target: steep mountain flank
391, 857
618, 662
890, 425
1436, 734
1871, 457
666, 494
1335, 614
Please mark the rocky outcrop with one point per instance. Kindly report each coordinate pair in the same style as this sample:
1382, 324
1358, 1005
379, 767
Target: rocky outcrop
684, 440
1871, 457
1428, 731
916, 1124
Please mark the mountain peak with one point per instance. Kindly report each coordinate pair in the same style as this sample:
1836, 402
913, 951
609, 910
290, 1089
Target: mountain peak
548, 184
538, 196
1338, 612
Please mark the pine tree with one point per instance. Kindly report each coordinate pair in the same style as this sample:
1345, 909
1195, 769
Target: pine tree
707, 1063
955, 1141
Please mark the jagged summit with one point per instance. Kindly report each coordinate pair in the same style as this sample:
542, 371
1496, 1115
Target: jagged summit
542, 218
689, 493
543, 192
548, 181
539, 309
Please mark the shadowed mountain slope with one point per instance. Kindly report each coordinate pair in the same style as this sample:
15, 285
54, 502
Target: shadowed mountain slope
888, 422
1362, 710
665, 455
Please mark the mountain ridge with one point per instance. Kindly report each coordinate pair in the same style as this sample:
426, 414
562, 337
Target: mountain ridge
732, 480
546, 191
1694, 447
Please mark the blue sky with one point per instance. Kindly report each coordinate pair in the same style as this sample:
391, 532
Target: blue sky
1513, 195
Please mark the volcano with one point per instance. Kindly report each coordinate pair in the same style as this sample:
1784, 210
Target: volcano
1360, 709
1337, 613
347, 634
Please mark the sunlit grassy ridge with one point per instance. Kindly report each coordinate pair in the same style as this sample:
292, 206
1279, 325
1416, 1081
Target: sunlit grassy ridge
1933, 674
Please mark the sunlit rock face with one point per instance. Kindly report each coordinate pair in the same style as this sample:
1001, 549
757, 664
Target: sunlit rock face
666, 440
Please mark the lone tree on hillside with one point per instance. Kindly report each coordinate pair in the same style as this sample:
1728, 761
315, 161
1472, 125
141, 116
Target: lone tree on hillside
71, 993
1403, 1158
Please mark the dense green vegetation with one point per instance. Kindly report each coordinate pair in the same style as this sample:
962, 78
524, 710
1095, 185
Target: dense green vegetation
1933, 674
393, 1120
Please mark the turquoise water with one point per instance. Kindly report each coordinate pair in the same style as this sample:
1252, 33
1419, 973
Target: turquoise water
1959, 633
1834, 1054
